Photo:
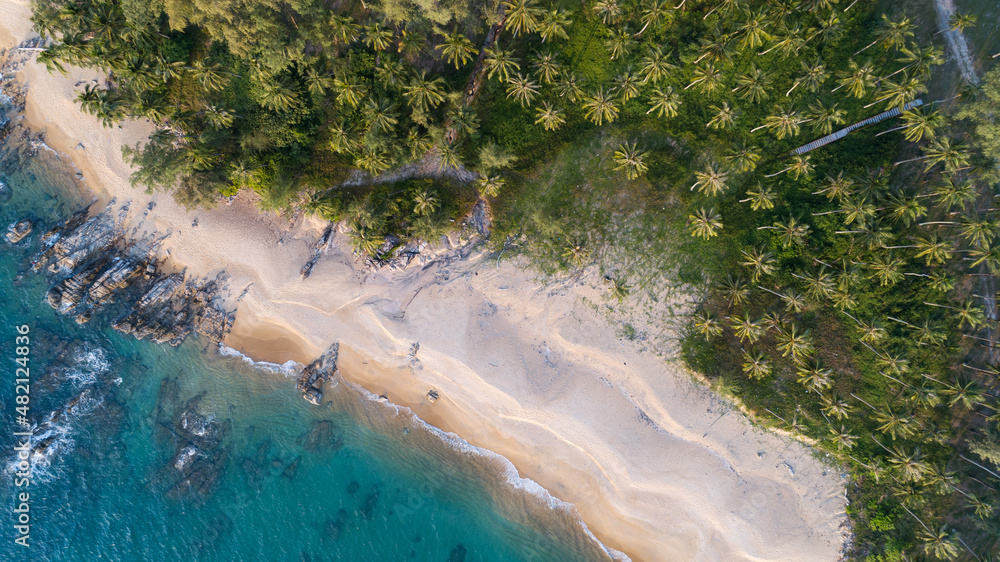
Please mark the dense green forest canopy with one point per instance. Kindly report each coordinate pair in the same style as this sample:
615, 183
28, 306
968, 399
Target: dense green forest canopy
850, 291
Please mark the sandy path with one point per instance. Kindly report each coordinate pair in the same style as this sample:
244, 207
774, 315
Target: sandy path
956, 41
657, 467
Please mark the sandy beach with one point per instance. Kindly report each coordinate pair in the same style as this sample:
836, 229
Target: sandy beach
656, 465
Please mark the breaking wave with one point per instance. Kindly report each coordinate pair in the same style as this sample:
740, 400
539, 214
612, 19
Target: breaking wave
288, 368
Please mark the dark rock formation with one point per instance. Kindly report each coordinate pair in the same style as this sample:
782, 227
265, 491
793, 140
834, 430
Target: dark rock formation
312, 377
481, 218
19, 231
92, 266
322, 436
200, 458
319, 249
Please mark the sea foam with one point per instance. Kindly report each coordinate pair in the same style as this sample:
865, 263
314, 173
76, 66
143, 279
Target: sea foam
288, 368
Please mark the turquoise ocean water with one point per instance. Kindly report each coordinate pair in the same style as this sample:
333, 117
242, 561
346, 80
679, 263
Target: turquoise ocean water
276, 478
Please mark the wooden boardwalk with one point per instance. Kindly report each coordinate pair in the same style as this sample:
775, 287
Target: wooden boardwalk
844, 132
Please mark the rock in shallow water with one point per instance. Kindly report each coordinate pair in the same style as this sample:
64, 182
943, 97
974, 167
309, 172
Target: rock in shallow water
92, 266
19, 231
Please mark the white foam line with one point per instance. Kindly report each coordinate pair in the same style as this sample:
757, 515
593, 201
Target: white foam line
509, 470
288, 368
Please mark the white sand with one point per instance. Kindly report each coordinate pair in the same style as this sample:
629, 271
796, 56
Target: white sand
530, 372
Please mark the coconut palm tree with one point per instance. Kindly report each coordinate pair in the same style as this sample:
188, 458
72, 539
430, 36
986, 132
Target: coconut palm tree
342, 139
965, 391
960, 22
788, 42
712, 181
344, 29
381, 115
378, 37
464, 120
500, 62
836, 406
857, 79
568, 87
871, 331
705, 223
656, 13
629, 158
664, 102
939, 543
978, 231
842, 438
655, 65
837, 187
449, 157
210, 76
278, 95
785, 123
522, 15
600, 107
920, 60
910, 465
549, 116
392, 72
707, 78
790, 231
953, 193
546, 67
724, 117
717, 49
894, 422
490, 186
425, 203
762, 198
317, 81
761, 263
886, 269
745, 328
627, 84
752, 85
824, 118
734, 289
892, 34
423, 92
812, 375
933, 249
943, 151
553, 24
801, 166
411, 43
756, 365
707, 324
522, 89
348, 91
576, 254
744, 159
373, 161
813, 77
904, 209
918, 123
457, 48
792, 342
620, 43
900, 93
753, 31
610, 11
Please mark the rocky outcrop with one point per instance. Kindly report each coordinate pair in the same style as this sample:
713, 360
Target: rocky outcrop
73, 247
319, 248
316, 373
19, 231
92, 266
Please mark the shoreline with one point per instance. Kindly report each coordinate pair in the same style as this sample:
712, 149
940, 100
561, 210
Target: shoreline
655, 464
